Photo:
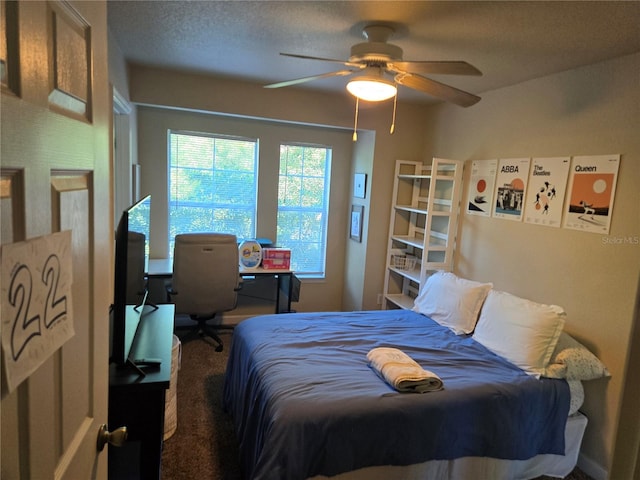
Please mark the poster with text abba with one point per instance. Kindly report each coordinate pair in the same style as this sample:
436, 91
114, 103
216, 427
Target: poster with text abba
511, 186
592, 187
546, 189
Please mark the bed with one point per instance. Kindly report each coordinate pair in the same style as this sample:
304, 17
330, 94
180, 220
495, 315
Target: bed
306, 404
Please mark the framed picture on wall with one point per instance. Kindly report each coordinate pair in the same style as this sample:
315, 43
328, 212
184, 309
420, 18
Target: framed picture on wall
360, 185
357, 213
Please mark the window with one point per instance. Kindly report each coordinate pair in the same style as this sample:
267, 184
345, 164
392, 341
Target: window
303, 205
212, 184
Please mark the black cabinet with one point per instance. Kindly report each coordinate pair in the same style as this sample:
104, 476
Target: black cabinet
138, 402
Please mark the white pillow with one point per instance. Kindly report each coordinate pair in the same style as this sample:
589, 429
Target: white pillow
452, 301
573, 361
576, 395
522, 331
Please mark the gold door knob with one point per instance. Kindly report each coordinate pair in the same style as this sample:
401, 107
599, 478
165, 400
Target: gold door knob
115, 438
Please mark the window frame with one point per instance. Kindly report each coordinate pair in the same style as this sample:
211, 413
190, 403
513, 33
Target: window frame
324, 210
214, 136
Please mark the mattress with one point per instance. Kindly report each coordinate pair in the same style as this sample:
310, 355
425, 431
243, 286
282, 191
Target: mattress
464, 468
305, 402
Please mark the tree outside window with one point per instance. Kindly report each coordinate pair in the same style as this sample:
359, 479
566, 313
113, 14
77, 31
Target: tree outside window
212, 185
303, 205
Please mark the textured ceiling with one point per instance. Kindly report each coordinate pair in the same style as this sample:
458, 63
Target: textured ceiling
509, 42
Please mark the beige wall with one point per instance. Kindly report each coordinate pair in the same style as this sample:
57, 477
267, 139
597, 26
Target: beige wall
355, 277
154, 124
586, 111
245, 101
124, 128
118, 77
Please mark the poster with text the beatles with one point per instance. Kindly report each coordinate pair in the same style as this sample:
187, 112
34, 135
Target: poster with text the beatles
546, 190
592, 187
483, 178
511, 187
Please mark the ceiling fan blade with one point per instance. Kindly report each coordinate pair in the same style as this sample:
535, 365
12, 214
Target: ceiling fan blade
435, 67
437, 89
308, 57
288, 83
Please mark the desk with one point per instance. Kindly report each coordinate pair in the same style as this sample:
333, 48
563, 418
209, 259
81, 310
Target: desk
163, 268
138, 402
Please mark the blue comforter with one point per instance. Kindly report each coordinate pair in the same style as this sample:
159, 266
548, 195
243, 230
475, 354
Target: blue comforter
305, 402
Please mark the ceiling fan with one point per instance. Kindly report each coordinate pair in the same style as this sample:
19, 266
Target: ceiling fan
376, 58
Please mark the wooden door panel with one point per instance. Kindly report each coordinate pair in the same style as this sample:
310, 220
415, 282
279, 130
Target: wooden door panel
70, 60
55, 177
66, 380
71, 209
11, 201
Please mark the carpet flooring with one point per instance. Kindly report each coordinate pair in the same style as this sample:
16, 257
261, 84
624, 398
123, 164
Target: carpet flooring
204, 444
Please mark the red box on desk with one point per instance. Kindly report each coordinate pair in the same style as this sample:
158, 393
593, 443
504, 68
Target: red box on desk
276, 258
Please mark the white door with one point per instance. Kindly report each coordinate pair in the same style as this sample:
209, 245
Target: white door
55, 115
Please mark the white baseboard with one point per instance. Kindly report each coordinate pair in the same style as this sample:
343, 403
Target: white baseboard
231, 320
592, 468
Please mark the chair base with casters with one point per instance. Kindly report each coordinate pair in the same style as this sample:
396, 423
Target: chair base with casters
203, 330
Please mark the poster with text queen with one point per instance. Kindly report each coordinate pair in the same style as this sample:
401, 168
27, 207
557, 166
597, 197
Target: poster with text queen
592, 187
546, 191
511, 187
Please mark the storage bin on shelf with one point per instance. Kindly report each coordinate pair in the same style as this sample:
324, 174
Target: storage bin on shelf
404, 262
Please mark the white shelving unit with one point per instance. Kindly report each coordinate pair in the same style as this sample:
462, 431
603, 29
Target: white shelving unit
422, 228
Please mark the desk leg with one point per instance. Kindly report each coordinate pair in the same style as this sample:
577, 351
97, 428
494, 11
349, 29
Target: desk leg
285, 285
278, 287
289, 291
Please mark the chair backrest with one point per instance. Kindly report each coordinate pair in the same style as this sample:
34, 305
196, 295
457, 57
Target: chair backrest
205, 273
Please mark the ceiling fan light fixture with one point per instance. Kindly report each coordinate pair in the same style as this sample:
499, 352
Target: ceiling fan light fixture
372, 89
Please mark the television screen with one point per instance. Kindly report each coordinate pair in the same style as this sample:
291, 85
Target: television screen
131, 258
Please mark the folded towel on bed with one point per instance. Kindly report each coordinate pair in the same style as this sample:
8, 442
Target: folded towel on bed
402, 372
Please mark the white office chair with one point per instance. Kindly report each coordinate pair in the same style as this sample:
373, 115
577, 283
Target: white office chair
205, 279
